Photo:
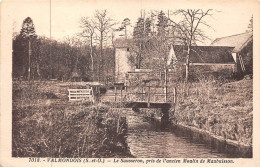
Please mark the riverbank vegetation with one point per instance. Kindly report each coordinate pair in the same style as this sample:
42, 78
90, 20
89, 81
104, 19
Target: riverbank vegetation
217, 103
223, 109
45, 124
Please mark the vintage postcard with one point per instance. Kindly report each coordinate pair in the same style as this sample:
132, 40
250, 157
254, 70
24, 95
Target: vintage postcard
129, 83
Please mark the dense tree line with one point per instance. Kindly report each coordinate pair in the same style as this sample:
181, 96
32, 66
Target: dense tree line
50, 59
153, 34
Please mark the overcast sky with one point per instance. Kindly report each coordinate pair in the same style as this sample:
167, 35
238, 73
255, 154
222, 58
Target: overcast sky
229, 18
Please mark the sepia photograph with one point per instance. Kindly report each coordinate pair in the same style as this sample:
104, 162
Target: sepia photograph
131, 80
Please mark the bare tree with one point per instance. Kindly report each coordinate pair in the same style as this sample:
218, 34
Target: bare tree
190, 25
71, 53
88, 26
103, 24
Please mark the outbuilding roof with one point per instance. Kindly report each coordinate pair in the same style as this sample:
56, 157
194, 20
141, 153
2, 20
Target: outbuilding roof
205, 54
238, 41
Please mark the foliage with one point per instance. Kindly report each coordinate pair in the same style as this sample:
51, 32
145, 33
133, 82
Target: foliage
126, 23
58, 59
28, 30
72, 59
250, 25
149, 42
138, 36
162, 24
21, 43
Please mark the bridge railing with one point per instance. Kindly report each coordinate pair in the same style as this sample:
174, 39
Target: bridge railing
149, 94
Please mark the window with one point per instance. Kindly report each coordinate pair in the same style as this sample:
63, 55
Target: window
127, 49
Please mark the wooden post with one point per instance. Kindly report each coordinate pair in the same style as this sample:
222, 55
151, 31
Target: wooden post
142, 96
97, 92
115, 89
148, 104
174, 94
126, 82
154, 95
161, 78
165, 84
121, 95
117, 127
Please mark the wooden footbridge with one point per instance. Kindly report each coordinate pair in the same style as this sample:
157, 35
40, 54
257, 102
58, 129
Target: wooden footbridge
146, 93
146, 96
135, 97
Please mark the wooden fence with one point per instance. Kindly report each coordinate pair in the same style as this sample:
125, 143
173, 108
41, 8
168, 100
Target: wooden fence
81, 94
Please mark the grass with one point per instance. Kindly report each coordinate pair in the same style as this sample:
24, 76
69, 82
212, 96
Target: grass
45, 124
222, 109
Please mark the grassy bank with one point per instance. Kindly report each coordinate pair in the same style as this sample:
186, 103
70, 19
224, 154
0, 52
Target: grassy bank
221, 109
45, 123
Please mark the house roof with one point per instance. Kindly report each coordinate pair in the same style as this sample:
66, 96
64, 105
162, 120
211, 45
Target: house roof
199, 54
205, 54
238, 41
123, 43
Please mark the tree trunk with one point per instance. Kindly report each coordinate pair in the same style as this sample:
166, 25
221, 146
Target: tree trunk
139, 62
101, 71
91, 55
38, 69
187, 64
139, 56
29, 65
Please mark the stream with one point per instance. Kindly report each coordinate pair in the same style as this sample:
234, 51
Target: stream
146, 139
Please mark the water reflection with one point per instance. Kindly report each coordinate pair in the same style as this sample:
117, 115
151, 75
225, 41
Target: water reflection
147, 140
